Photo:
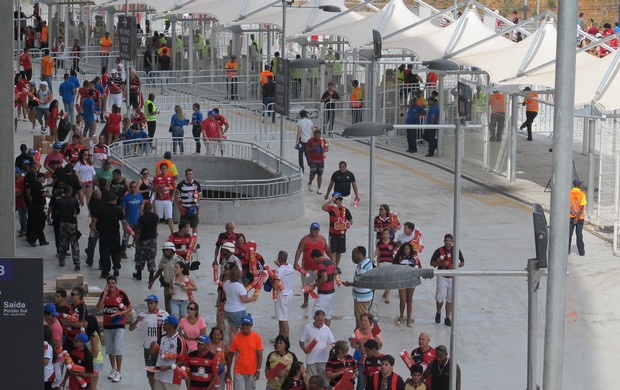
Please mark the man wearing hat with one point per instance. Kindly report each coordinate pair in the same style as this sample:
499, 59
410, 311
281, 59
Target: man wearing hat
248, 346
203, 365
228, 250
340, 220
25, 155
165, 271
308, 243
50, 317
81, 356
172, 345
150, 323
228, 236
54, 160
577, 215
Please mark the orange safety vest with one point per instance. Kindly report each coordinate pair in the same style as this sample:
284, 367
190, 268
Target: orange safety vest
44, 32
356, 97
263, 76
47, 64
106, 45
532, 105
497, 103
577, 201
234, 69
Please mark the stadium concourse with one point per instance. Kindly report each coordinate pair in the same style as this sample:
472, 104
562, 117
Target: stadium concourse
492, 312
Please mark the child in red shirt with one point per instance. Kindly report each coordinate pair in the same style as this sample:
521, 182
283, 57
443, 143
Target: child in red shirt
114, 124
52, 119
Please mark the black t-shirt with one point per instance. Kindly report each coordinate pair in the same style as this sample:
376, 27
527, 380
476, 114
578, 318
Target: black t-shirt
342, 182
108, 218
36, 191
19, 161
334, 95
147, 225
67, 208
164, 63
93, 205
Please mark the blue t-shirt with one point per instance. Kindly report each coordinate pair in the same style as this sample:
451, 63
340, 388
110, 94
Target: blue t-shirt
88, 108
413, 114
74, 80
66, 91
433, 111
132, 205
133, 137
99, 87
197, 118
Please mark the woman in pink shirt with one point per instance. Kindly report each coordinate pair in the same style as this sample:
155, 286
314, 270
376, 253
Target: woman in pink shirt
192, 326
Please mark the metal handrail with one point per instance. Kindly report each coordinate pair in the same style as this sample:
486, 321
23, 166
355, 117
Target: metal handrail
288, 181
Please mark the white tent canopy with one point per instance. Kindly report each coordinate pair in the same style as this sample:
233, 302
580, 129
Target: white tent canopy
466, 31
391, 18
159, 5
224, 11
300, 19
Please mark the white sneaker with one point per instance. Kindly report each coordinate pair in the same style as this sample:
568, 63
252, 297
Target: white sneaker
117, 377
310, 187
318, 192
112, 374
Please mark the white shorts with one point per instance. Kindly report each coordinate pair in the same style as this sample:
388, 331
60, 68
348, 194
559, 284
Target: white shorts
163, 208
325, 302
444, 289
115, 99
306, 280
282, 305
58, 374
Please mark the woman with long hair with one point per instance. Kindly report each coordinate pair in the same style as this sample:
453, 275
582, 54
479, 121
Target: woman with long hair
340, 362
52, 119
181, 287
85, 171
383, 221
280, 354
145, 185
176, 128
236, 299
406, 256
296, 378
220, 350
94, 334
192, 326
384, 255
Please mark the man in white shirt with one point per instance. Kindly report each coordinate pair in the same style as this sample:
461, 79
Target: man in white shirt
407, 234
282, 304
150, 322
362, 297
172, 351
305, 127
321, 336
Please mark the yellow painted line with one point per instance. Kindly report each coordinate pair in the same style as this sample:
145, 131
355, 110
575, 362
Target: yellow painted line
490, 199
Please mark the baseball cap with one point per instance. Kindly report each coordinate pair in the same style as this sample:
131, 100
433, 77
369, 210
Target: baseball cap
229, 246
315, 225
152, 298
113, 70
17, 170
577, 182
337, 195
57, 145
203, 339
44, 83
31, 152
50, 308
83, 337
211, 113
171, 320
247, 319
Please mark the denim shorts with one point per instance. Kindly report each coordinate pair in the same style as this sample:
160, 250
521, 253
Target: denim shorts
234, 317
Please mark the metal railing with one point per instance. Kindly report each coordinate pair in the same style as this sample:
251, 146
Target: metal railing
288, 178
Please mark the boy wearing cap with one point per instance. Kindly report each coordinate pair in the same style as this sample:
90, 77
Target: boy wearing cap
578, 204
165, 271
81, 356
340, 220
248, 346
203, 366
170, 344
150, 322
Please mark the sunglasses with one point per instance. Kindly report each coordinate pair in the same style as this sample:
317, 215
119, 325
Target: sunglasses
191, 308
73, 294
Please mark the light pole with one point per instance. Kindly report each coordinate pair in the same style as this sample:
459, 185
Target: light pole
285, 5
368, 130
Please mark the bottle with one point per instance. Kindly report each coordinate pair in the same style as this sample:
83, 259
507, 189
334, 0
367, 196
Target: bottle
338, 280
406, 358
312, 344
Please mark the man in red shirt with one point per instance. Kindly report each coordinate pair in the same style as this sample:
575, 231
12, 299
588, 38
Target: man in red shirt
212, 133
221, 120
163, 186
228, 236
326, 290
308, 243
72, 151
181, 239
24, 60
340, 220
115, 305
316, 148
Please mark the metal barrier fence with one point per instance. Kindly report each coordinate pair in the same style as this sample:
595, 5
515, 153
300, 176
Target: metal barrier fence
288, 182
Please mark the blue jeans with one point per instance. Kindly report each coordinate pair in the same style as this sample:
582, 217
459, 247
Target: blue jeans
22, 212
178, 308
578, 229
177, 138
70, 109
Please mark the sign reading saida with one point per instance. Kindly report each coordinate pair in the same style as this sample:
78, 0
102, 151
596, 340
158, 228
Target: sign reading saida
127, 37
21, 316
283, 97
